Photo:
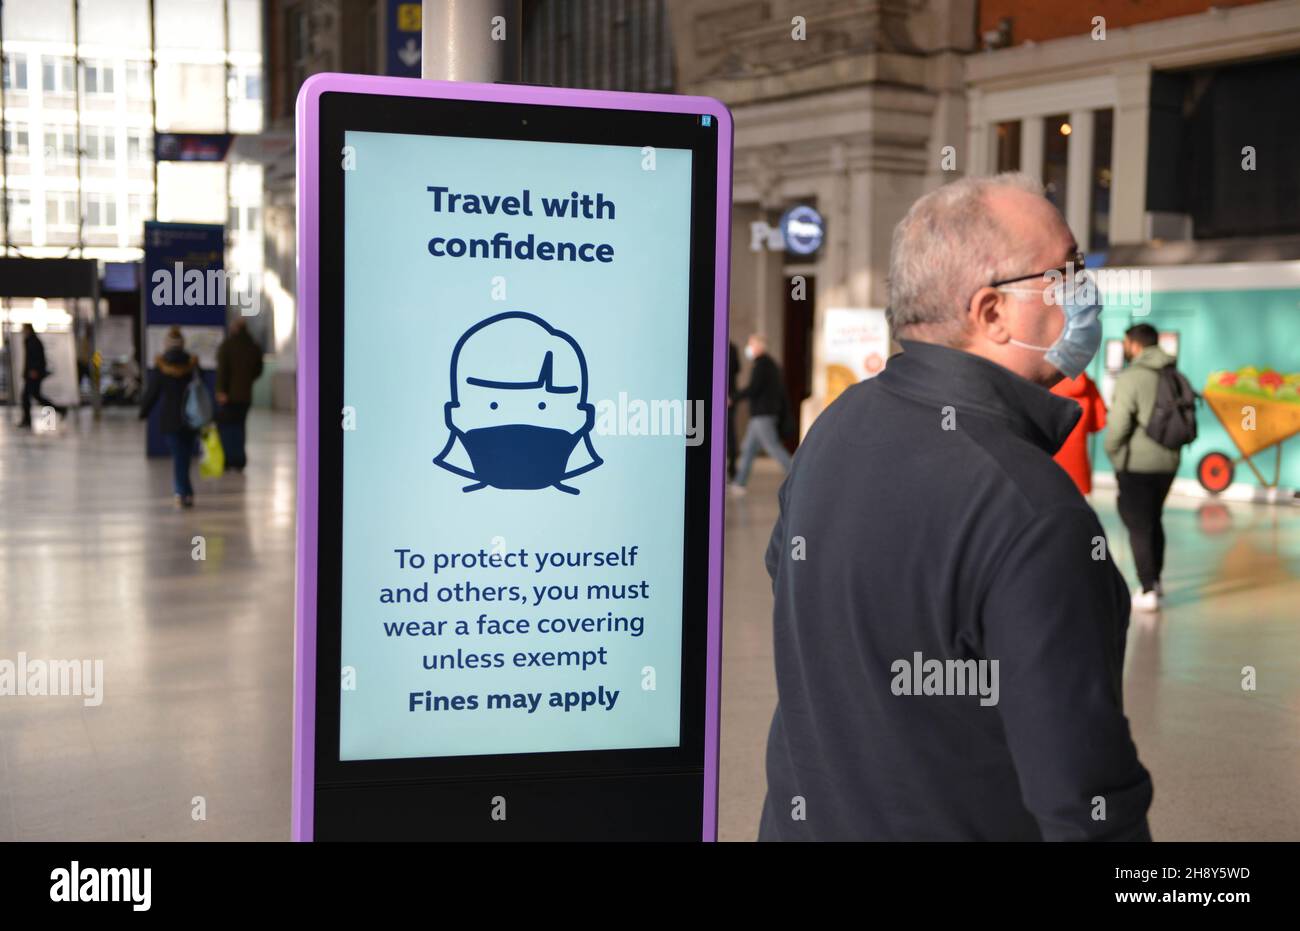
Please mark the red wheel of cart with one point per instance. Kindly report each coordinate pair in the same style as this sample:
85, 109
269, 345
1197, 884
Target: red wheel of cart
1214, 472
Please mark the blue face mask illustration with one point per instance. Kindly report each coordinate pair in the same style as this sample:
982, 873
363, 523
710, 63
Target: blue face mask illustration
1081, 336
518, 414
519, 455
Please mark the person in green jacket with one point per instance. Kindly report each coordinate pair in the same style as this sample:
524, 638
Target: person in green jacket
1144, 469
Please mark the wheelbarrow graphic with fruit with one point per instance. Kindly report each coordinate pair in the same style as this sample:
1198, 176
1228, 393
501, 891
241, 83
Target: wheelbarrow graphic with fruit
1258, 408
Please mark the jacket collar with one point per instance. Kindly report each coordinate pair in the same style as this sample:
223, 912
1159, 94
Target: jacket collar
169, 364
937, 375
1152, 357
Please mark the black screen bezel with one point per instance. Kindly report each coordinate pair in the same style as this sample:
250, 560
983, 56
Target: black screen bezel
341, 112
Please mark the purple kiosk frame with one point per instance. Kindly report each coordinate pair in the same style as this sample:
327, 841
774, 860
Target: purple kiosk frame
309, 345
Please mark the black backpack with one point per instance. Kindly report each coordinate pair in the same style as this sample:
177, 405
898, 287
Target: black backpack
1173, 419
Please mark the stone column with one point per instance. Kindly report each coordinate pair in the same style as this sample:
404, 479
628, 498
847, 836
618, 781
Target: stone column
1031, 146
1079, 176
981, 139
1129, 157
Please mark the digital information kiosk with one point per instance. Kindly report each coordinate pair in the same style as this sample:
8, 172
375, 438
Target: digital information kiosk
511, 418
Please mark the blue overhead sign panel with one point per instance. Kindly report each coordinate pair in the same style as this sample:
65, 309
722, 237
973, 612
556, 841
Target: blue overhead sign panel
179, 284
184, 285
402, 28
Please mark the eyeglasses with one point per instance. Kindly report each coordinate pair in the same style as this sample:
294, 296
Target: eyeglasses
1077, 262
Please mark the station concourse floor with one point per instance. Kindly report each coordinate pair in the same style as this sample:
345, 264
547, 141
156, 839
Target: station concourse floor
95, 563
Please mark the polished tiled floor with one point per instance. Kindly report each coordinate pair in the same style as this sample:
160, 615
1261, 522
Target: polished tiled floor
96, 564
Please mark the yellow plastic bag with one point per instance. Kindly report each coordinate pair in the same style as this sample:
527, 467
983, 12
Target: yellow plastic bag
212, 459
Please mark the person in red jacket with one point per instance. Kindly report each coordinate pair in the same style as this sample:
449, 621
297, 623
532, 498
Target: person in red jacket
1073, 454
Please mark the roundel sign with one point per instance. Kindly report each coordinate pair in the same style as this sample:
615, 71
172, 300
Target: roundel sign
803, 229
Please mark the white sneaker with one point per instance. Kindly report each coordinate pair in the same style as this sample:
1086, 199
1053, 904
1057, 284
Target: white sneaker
737, 491
1146, 602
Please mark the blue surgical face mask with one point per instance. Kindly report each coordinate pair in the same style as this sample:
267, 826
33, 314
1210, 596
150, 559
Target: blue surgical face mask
1081, 336
519, 455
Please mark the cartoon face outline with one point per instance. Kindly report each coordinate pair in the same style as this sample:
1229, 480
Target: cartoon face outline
509, 428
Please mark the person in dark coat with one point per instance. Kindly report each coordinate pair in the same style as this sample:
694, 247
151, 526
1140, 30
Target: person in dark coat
767, 401
949, 622
239, 364
733, 384
168, 380
35, 371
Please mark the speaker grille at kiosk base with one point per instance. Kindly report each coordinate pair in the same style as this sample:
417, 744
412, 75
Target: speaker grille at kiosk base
666, 807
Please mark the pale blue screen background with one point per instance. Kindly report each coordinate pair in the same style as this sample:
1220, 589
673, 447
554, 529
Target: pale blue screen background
404, 312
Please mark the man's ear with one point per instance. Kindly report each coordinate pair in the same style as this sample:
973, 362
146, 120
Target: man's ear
985, 317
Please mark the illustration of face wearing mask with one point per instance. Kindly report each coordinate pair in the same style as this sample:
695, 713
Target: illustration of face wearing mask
518, 413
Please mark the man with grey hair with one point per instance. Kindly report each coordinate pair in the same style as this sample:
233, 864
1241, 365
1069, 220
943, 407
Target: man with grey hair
949, 626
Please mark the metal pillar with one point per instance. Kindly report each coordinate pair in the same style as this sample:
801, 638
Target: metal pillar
464, 40
4, 147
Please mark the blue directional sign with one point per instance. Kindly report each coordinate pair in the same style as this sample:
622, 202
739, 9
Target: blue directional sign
402, 29
184, 285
